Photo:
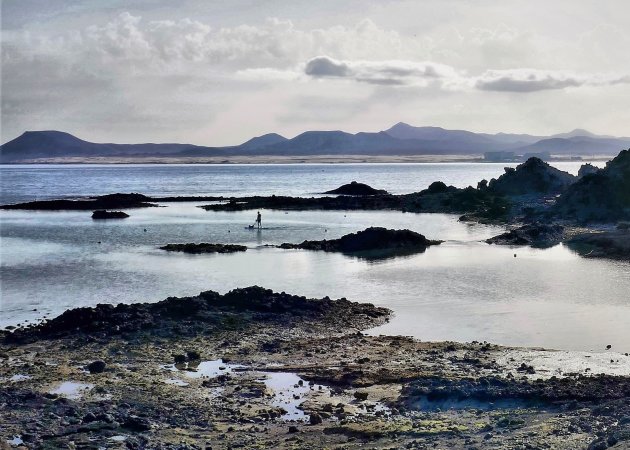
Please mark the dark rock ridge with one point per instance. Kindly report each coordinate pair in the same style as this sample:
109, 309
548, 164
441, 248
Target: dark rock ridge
102, 214
355, 188
535, 235
102, 202
342, 202
608, 244
587, 169
194, 314
370, 239
534, 176
204, 248
603, 196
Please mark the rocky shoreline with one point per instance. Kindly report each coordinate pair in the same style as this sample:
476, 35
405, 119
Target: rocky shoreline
254, 368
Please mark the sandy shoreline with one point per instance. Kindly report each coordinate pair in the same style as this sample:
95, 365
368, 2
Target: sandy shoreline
270, 159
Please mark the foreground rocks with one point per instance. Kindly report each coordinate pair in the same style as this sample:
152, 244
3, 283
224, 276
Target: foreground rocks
102, 214
355, 188
376, 240
207, 372
204, 248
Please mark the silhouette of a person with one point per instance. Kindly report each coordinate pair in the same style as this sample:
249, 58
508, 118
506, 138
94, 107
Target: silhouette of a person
258, 220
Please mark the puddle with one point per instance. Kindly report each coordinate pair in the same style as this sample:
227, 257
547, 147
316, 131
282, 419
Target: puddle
203, 369
424, 404
20, 377
118, 438
288, 393
72, 389
176, 382
15, 441
548, 363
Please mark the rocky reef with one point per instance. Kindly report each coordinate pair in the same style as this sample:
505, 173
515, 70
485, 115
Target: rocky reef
536, 235
100, 214
534, 176
603, 196
373, 240
355, 188
205, 310
204, 247
101, 202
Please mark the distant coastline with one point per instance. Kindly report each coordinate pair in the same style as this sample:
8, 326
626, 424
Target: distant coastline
282, 159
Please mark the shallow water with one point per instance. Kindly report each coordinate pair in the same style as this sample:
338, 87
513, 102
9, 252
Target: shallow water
72, 389
460, 290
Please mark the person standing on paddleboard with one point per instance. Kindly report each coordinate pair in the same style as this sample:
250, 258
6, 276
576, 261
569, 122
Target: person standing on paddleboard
258, 220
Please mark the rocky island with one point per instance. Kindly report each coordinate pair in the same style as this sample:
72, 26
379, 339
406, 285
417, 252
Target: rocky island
355, 188
373, 241
204, 247
101, 214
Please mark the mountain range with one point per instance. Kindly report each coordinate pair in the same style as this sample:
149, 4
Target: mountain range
401, 139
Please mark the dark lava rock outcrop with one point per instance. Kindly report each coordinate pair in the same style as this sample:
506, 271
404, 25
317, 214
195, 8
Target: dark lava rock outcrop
204, 248
534, 176
587, 169
370, 240
101, 202
608, 244
191, 315
342, 202
537, 235
477, 204
603, 196
100, 214
355, 188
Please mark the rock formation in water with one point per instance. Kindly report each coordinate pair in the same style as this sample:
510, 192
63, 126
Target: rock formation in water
370, 239
103, 214
608, 244
204, 248
102, 202
536, 235
603, 196
534, 176
355, 188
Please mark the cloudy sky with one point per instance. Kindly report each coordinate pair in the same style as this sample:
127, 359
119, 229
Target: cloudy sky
220, 72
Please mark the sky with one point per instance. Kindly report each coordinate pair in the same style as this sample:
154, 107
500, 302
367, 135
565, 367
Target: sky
220, 72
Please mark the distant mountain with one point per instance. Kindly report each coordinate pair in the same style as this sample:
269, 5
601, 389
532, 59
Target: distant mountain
263, 141
577, 145
401, 139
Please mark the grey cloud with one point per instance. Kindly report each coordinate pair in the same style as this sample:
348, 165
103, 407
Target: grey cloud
530, 80
394, 72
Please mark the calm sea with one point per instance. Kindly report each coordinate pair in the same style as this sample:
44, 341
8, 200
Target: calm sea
461, 290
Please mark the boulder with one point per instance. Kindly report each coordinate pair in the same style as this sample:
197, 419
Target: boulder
96, 366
